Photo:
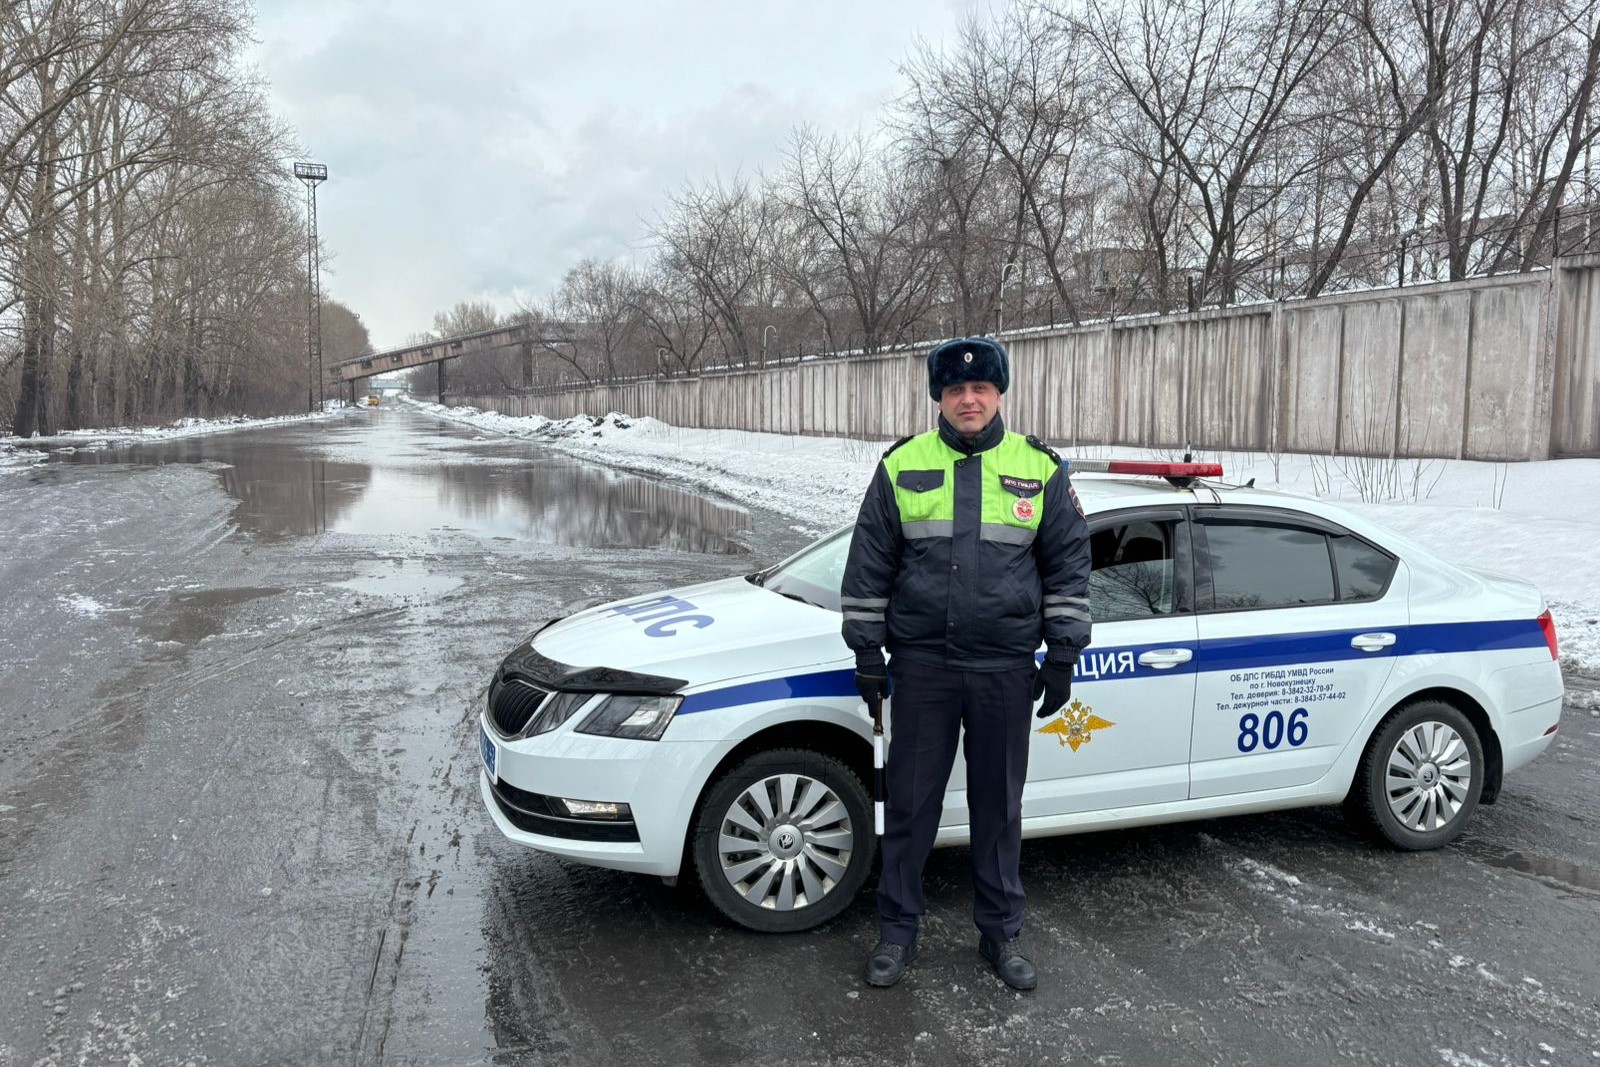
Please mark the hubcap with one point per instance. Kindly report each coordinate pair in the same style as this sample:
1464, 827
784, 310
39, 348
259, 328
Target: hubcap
1429, 774
785, 842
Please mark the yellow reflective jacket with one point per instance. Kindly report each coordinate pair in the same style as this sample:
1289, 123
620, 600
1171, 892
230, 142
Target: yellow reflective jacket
969, 556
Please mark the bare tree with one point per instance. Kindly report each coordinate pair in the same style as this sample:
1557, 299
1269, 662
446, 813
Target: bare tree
716, 236
1219, 85
146, 265
676, 319
600, 302
1557, 124
867, 227
1025, 85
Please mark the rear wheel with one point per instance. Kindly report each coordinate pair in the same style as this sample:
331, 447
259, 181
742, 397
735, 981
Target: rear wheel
1420, 777
783, 841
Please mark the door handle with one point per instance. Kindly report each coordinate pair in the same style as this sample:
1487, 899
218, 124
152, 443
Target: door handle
1372, 642
1166, 658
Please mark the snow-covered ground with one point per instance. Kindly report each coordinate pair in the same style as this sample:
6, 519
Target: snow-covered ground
1538, 521
26, 451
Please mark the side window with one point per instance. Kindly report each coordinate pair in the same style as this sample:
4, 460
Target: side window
1364, 572
1133, 576
1268, 565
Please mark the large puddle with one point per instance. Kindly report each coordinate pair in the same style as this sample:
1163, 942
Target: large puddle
392, 471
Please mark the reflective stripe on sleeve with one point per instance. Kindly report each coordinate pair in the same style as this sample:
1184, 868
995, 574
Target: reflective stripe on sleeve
1056, 598
864, 602
928, 528
1062, 612
864, 616
1011, 535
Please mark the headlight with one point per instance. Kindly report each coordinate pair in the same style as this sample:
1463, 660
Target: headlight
643, 718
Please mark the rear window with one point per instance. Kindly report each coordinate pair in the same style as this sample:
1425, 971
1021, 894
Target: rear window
1363, 571
1268, 565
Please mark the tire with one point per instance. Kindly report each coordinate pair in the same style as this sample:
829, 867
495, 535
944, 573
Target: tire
807, 820
1439, 767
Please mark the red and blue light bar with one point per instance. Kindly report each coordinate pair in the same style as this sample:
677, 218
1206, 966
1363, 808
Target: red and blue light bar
1179, 474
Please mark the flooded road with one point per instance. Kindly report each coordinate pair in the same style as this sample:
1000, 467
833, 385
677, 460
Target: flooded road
388, 471
238, 814
239, 817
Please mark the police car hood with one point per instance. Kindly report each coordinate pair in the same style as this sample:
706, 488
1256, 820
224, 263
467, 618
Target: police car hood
701, 634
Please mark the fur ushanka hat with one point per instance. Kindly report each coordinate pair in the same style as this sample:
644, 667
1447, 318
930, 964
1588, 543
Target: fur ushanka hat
969, 359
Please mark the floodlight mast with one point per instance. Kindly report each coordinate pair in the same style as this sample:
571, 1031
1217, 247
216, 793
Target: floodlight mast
313, 174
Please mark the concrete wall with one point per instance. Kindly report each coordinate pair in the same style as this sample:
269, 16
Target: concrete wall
1490, 368
1576, 388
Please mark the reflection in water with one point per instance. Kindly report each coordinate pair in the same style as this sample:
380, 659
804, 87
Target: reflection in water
406, 476
1569, 875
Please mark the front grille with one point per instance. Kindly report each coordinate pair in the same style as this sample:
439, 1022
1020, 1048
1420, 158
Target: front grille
532, 813
512, 703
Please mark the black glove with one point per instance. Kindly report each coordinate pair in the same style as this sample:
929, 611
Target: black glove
1054, 683
872, 677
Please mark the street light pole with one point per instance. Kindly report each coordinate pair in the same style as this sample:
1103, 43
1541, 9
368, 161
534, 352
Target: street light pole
313, 174
1000, 312
764, 330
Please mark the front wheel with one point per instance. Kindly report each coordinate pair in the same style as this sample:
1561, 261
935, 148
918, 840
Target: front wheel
783, 841
1420, 777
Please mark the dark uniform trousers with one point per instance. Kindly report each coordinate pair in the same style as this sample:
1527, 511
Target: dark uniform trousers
930, 706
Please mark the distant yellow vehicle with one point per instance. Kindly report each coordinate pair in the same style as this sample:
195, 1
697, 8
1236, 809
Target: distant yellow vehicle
373, 399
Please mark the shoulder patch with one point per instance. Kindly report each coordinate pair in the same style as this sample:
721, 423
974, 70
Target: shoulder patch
1046, 449
897, 444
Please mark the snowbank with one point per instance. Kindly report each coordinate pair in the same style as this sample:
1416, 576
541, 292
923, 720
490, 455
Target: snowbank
16, 451
1538, 521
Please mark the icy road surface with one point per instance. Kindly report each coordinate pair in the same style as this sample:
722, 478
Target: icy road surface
239, 821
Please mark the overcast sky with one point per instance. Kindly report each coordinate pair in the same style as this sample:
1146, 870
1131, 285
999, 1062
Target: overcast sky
476, 149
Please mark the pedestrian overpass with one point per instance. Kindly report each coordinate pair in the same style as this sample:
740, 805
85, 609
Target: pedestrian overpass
520, 336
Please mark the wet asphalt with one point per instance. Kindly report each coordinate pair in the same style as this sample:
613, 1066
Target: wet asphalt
239, 821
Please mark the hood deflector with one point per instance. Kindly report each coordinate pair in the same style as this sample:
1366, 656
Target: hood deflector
537, 667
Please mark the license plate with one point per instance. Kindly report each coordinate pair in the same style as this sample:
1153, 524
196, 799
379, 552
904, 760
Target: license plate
486, 749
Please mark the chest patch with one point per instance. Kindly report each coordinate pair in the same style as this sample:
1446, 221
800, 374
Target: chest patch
1021, 486
1023, 509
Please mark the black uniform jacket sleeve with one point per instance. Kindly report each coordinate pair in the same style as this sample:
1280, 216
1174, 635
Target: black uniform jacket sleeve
870, 570
1062, 548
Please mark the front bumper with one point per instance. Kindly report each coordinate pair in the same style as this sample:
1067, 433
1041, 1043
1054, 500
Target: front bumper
658, 780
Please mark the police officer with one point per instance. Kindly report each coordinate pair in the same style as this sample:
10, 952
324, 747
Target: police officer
969, 549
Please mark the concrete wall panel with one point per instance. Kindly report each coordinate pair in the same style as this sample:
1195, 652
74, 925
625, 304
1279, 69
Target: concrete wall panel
1577, 361
1458, 367
1432, 378
1314, 339
1367, 389
1502, 387
1171, 346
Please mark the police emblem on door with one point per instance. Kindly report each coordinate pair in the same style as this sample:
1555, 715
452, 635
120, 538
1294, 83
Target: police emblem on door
1075, 725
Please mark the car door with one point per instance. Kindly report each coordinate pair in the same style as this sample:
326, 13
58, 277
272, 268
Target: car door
1123, 739
1299, 624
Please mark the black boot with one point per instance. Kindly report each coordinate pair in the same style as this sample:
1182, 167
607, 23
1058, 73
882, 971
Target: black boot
1010, 962
888, 963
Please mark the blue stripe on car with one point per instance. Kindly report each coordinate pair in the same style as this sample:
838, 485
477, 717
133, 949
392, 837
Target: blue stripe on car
818, 684
1215, 654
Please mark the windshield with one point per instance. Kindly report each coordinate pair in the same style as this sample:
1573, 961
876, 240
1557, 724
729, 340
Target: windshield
813, 574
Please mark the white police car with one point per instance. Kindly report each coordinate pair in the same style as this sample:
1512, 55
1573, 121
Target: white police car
1252, 651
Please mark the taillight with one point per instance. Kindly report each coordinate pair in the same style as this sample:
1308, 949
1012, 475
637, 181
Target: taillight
1548, 625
